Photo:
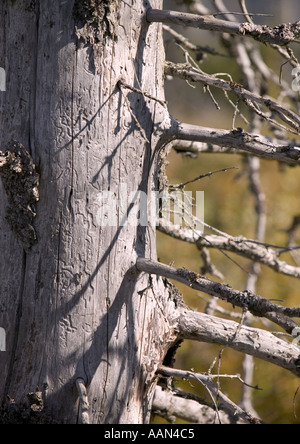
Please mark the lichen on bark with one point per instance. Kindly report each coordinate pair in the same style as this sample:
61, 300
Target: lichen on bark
31, 411
20, 181
279, 35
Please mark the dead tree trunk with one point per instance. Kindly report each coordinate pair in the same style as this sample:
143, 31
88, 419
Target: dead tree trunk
73, 306
85, 314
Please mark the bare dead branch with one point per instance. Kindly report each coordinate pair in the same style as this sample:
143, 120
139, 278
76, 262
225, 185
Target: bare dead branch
193, 149
253, 341
279, 35
191, 139
239, 245
125, 85
168, 404
254, 303
187, 44
202, 176
292, 247
259, 196
237, 139
209, 23
187, 72
245, 11
213, 389
256, 189
208, 266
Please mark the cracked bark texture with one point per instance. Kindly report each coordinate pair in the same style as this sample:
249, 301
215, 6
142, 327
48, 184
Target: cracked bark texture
70, 307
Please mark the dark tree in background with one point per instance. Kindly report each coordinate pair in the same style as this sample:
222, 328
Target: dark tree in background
92, 321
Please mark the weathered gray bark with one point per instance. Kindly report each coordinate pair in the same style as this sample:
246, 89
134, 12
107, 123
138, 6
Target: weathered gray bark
84, 313
74, 312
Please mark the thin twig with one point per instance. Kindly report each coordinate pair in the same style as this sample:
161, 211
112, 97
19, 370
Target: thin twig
202, 176
256, 251
141, 129
122, 84
250, 14
245, 11
170, 404
294, 402
187, 44
187, 72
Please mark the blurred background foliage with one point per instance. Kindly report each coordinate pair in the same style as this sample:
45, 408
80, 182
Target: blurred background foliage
229, 206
